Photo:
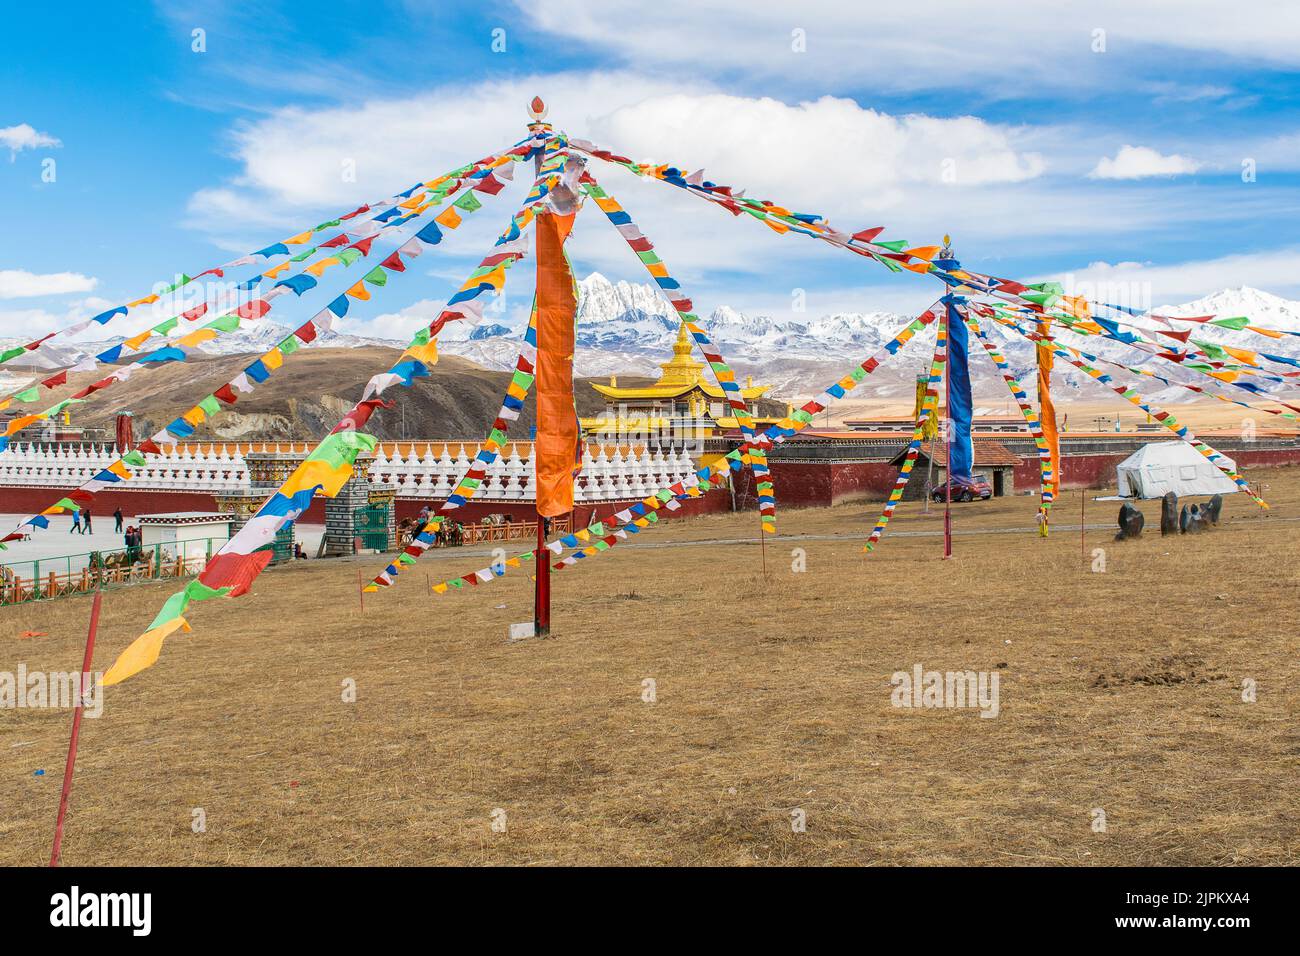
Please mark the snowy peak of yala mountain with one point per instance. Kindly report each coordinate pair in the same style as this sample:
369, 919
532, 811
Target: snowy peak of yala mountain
263, 335
629, 328
1263, 308
636, 318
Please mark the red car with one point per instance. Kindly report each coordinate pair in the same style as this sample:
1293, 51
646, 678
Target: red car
979, 488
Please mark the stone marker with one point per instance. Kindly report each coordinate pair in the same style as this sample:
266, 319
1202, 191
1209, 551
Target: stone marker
1169, 514
1131, 522
1193, 520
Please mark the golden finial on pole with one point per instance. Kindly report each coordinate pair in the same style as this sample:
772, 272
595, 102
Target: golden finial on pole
537, 109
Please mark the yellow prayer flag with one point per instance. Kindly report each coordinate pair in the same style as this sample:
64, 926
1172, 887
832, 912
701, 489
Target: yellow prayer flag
143, 652
317, 268
195, 337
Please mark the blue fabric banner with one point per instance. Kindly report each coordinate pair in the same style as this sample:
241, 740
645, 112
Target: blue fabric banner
960, 406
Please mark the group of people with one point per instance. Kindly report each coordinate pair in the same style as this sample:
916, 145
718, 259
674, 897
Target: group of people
134, 546
83, 522
131, 536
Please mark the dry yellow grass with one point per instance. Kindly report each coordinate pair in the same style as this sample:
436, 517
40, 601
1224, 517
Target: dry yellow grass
1119, 690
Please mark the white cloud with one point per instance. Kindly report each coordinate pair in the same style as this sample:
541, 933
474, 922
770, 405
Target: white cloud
20, 284
1281, 152
1139, 162
829, 155
23, 136
817, 152
1005, 45
1146, 284
28, 324
293, 160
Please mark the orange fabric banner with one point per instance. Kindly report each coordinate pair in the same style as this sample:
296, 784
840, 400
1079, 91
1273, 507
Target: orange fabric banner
1046, 410
555, 451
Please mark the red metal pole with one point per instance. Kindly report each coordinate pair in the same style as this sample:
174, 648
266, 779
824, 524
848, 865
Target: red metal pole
542, 594
1083, 500
76, 731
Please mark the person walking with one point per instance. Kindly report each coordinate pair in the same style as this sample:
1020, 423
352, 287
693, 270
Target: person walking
76, 523
86, 515
117, 521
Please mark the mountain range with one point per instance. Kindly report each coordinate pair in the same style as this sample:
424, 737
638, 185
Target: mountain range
628, 328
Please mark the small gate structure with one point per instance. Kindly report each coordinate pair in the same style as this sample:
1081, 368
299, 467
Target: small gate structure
370, 527
282, 546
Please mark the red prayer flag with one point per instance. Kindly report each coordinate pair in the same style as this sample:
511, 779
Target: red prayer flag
253, 309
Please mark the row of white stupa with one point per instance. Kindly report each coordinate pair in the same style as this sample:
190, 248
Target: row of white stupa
611, 473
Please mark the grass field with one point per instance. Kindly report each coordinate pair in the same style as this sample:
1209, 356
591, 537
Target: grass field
1120, 692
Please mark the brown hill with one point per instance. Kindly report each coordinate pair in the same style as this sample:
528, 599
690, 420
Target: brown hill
311, 391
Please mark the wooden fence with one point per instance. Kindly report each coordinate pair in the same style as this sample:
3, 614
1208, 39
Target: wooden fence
103, 569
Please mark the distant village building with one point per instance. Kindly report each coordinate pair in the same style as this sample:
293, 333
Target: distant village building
992, 458
905, 423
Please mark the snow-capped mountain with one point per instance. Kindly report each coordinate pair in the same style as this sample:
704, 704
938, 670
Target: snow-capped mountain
261, 336
626, 328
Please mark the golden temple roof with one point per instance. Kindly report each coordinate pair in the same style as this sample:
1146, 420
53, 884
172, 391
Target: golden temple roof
681, 374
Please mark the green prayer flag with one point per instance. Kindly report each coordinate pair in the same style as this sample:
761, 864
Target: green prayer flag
468, 202
340, 449
1212, 350
224, 323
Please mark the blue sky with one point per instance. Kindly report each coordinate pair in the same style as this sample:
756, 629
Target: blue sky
1099, 143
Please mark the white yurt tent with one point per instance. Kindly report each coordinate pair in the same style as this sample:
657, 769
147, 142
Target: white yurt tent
1175, 466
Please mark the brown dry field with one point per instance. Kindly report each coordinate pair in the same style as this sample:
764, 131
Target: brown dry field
1119, 690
